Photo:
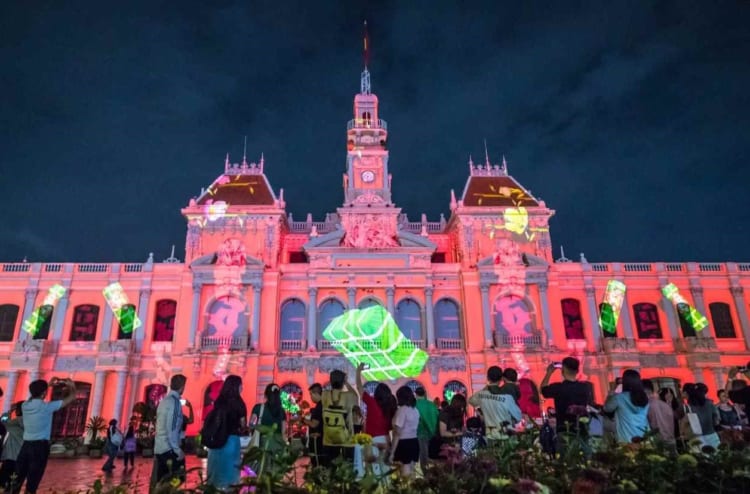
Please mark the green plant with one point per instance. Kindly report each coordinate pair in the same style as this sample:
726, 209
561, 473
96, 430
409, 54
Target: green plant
97, 443
95, 426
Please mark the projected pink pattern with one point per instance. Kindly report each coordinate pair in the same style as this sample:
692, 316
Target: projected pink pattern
512, 317
226, 317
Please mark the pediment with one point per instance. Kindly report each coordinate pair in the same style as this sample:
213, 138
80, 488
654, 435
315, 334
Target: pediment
210, 260
333, 240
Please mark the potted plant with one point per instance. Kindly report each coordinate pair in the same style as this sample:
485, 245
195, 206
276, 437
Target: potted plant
96, 447
145, 416
95, 426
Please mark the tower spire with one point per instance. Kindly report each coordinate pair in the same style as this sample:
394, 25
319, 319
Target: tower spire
244, 153
364, 83
486, 155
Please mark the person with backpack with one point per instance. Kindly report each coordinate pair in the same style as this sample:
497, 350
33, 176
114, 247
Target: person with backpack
221, 434
427, 430
169, 459
337, 418
112, 446
499, 406
129, 445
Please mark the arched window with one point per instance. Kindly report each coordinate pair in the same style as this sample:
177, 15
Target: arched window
292, 328
366, 118
8, 319
227, 318
447, 325
328, 310
721, 316
166, 310
414, 384
571, 310
43, 323
453, 388
685, 326
126, 322
513, 319
368, 302
605, 333
294, 393
154, 394
70, 421
209, 397
409, 319
85, 318
647, 321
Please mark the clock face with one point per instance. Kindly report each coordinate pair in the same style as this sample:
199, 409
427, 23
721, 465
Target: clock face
368, 176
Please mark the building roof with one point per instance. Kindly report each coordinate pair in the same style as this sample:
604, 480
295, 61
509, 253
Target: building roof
240, 185
496, 191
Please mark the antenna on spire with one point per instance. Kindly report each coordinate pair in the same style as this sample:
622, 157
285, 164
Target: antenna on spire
262, 161
364, 83
486, 155
244, 153
505, 166
471, 164
226, 163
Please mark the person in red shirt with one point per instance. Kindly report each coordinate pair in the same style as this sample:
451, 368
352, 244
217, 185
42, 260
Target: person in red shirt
381, 407
529, 402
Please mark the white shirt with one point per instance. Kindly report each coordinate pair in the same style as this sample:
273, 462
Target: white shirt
407, 421
168, 424
496, 409
37, 418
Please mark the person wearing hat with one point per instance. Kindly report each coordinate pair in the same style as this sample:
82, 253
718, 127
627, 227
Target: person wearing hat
114, 441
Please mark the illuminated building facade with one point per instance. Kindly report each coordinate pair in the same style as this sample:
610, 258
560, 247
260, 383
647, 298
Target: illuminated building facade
257, 289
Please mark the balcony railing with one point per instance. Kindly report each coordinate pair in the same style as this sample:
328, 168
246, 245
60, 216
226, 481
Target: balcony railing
526, 341
229, 343
16, 267
366, 123
325, 345
291, 345
449, 344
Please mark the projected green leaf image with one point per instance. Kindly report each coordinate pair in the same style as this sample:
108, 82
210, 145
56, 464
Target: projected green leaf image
372, 337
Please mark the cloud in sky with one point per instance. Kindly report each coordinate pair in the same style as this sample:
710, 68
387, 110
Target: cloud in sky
630, 119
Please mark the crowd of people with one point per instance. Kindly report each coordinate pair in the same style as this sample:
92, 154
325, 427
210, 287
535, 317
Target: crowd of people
379, 431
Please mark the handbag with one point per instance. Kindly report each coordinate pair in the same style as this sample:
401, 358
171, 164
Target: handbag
690, 424
254, 440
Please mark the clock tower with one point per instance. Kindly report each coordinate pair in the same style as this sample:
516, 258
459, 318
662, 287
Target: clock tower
367, 181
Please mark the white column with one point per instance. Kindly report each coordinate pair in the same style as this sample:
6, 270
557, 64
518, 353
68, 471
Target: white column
194, 313
33, 375
58, 316
351, 292
429, 311
719, 373
10, 389
143, 303
390, 304
119, 394
669, 310
545, 312
107, 324
96, 404
739, 306
697, 293
312, 318
627, 322
28, 308
698, 374
135, 379
255, 329
484, 289
596, 331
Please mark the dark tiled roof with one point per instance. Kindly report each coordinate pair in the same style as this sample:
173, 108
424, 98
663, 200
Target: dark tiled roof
240, 190
496, 191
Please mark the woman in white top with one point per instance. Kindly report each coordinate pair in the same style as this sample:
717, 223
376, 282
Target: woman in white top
405, 422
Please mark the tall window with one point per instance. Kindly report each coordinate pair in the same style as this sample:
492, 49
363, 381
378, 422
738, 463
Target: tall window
154, 394
512, 317
414, 384
368, 302
85, 318
647, 321
166, 310
293, 392
227, 318
328, 310
571, 310
8, 319
292, 320
45, 321
126, 323
605, 333
721, 315
447, 324
71, 420
685, 326
409, 319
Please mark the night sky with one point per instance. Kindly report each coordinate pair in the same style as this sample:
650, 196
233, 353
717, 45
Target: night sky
630, 119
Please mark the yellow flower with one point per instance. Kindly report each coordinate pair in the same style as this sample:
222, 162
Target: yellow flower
584, 420
499, 482
175, 482
516, 220
653, 458
628, 486
363, 439
687, 460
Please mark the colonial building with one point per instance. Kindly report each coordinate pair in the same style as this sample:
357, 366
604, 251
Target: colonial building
257, 289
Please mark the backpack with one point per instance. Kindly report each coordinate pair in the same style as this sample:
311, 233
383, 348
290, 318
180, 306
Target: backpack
335, 426
116, 438
214, 433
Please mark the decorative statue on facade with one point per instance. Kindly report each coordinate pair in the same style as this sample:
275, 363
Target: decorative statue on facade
231, 253
371, 231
